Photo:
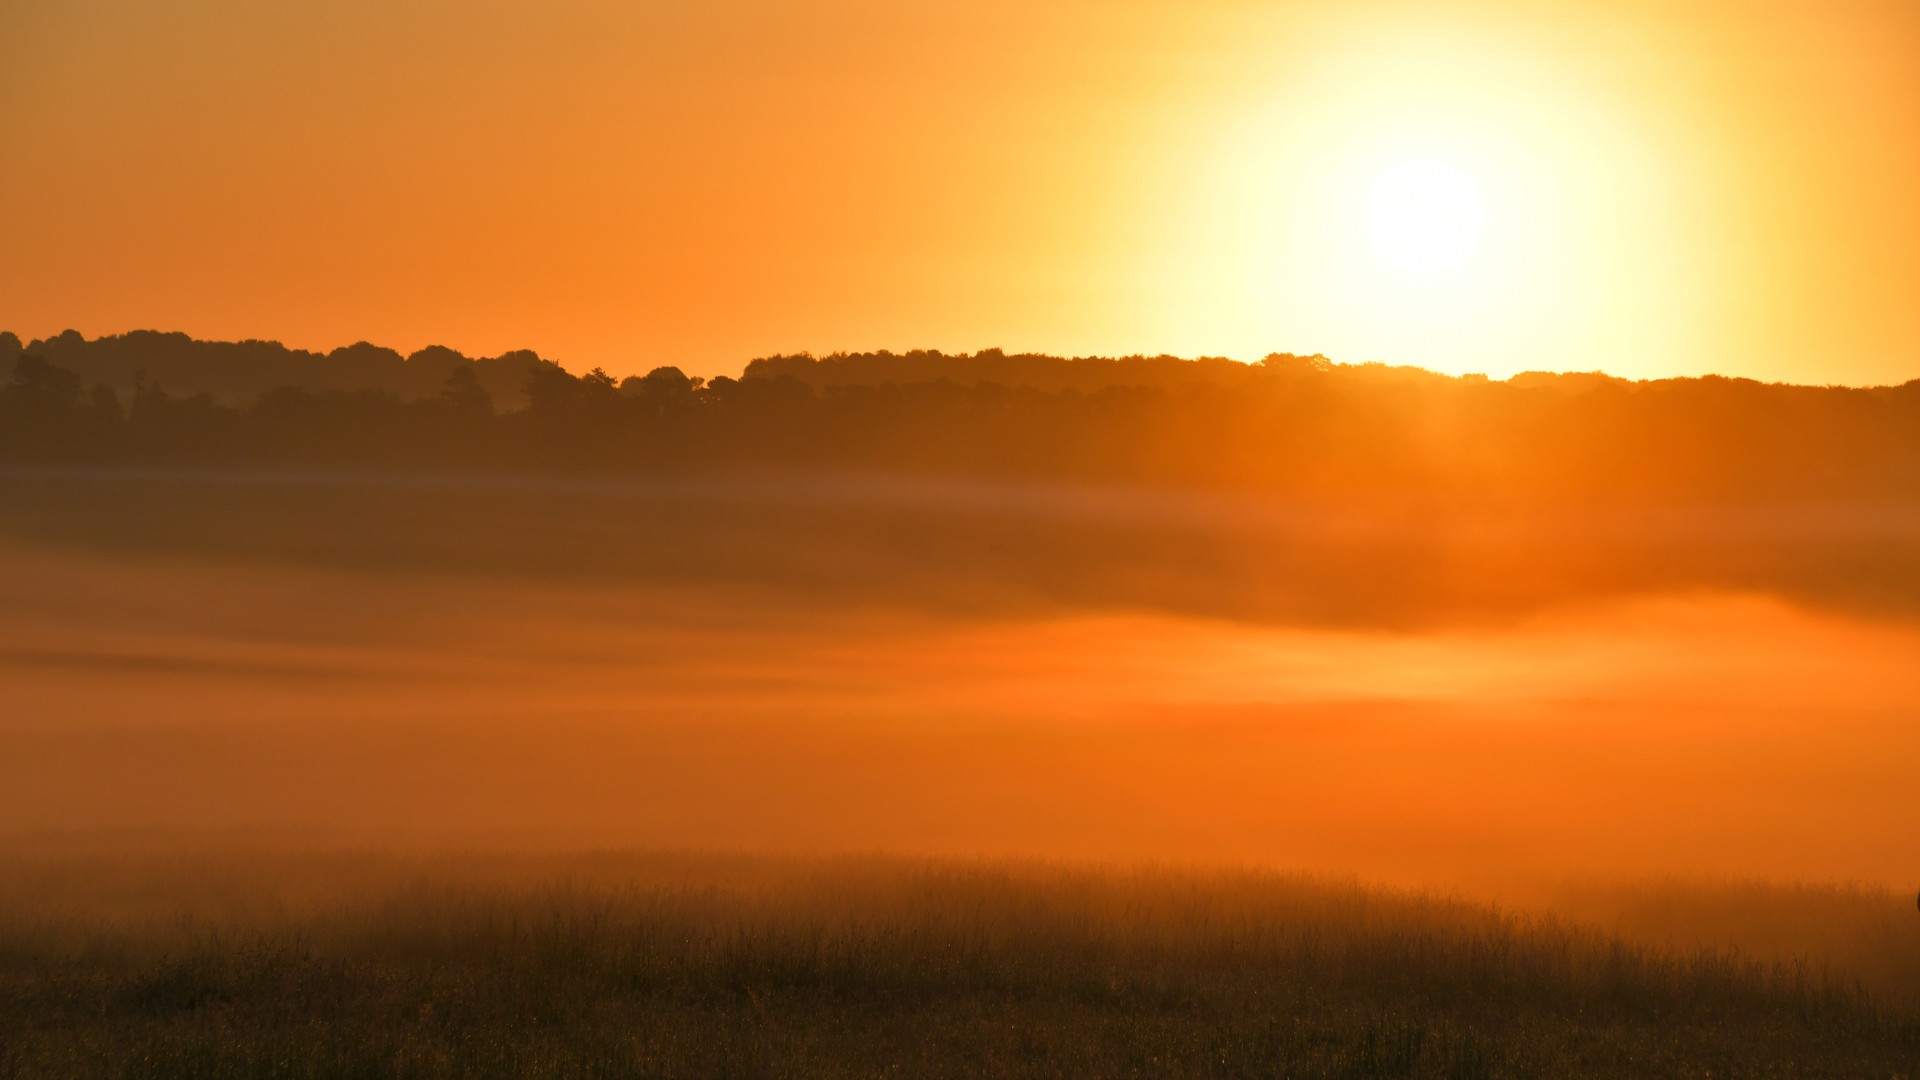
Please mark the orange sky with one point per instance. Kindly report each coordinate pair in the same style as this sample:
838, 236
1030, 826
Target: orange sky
1645, 187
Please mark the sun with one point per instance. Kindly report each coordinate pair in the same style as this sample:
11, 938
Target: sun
1424, 218
1424, 236
1389, 230
1429, 227
1445, 201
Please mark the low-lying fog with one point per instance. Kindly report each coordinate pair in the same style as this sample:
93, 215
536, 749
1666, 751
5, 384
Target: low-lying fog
180, 675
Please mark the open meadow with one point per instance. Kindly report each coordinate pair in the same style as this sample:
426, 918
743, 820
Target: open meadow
614, 964
323, 776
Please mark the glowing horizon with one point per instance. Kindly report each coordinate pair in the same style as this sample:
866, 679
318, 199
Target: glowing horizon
1643, 189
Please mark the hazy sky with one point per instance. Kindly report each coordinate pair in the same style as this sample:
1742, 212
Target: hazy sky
1645, 187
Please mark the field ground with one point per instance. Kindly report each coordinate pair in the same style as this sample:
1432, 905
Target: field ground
1066, 715
670, 965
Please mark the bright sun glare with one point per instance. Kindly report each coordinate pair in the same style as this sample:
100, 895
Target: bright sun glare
1424, 218
1398, 200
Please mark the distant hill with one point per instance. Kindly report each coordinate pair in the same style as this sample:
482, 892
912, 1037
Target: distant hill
237, 372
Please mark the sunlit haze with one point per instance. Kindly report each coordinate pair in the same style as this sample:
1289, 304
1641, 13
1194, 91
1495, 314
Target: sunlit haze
1644, 188
823, 538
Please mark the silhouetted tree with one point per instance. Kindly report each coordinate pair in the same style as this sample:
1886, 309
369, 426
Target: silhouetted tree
549, 387
670, 380
105, 404
1293, 426
597, 382
463, 391
235, 372
40, 387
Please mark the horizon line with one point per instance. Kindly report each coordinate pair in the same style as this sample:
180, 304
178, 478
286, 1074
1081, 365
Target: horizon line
28, 344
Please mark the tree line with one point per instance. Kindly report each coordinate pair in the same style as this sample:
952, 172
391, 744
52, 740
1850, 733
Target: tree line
1301, 426
236, 372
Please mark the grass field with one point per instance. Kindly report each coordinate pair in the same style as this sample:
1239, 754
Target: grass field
276, 671
674, 965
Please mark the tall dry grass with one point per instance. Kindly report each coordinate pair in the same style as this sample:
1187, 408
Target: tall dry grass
638, 965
